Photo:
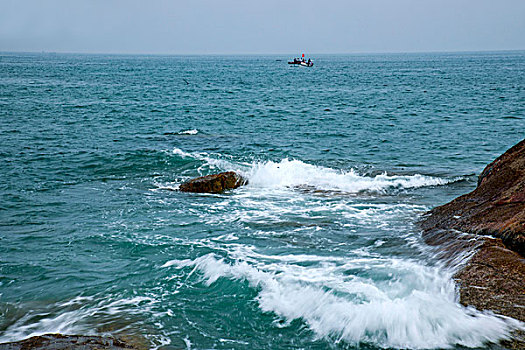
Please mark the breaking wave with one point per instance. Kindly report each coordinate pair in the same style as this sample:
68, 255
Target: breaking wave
295, 173
415, 309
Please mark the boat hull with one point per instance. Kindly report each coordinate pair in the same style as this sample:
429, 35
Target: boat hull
302, 64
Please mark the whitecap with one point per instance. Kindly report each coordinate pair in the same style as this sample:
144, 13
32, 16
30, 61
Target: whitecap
189, 132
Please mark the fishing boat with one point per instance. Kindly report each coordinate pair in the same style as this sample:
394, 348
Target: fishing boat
302, 62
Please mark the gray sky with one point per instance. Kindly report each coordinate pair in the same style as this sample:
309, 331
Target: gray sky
264, 26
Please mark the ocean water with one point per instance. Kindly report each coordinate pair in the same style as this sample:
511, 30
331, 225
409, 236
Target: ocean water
320, 250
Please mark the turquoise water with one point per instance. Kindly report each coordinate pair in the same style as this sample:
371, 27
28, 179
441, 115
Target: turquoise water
320, 250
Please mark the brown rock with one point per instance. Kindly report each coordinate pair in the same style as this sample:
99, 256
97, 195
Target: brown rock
63, 342
496, 207
494, 272
491, 274
213, 183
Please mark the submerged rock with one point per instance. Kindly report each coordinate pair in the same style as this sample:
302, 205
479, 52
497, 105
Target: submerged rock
213, 183
74, 342
485, 229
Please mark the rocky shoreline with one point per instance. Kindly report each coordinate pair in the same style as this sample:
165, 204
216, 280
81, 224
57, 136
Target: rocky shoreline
484, 232
65, 342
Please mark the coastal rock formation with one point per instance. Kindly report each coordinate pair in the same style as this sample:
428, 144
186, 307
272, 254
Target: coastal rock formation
63, 342
488, 226
213, 183
496, 207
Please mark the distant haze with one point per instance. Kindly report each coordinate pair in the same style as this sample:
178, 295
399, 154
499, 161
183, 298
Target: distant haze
259, 27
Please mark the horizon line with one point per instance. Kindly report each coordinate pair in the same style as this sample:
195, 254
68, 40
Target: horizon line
256, 54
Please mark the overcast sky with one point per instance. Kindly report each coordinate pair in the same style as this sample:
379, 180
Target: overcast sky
264, 26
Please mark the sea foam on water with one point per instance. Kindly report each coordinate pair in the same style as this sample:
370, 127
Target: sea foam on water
415, 309
398, 303
293, 173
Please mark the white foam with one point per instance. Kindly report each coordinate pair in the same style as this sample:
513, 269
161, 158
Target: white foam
295, 173
65, 323
183, 154
189, 132
170, 186
415, 308
215, 162
187, 342
75, 316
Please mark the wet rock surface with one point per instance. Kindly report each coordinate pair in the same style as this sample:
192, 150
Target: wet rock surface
217, 183
494, 272
486, 228
496, 207
74, 342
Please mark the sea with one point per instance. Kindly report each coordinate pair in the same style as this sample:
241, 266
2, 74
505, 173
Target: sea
320, 250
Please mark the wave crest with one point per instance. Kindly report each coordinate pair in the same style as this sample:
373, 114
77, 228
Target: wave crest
298, 174
420, 317
295, 173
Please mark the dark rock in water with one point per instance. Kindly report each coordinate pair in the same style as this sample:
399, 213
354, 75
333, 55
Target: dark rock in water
213, 183
496, 207
63, 342
488, 226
